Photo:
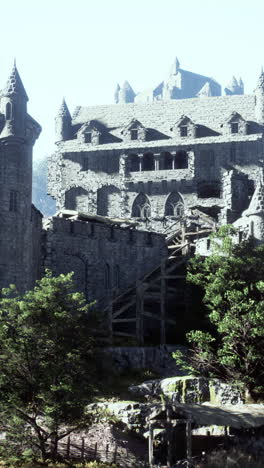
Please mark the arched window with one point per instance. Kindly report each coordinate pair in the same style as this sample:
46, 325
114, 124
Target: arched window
141, 207
148, 163
174, 205
181, 160
133, 162
8, 111
167, 161
117, 277
107, 281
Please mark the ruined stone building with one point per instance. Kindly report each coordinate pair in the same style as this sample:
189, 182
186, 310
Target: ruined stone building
124, 177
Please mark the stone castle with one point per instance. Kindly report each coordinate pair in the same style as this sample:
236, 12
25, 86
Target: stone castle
124, 176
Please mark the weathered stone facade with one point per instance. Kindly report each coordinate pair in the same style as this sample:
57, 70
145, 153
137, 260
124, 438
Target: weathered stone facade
124, 174
155, 162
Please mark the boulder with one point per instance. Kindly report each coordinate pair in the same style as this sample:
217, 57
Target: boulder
190, 389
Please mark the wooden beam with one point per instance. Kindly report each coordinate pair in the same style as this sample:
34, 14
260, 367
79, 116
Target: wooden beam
139, 311
124, 308
150, 446
163, 303
130, 335
189, 443
124, 320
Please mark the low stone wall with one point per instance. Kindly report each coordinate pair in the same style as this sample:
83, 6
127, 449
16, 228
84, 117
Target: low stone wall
156, 358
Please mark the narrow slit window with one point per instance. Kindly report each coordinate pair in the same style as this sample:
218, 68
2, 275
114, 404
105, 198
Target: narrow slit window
13, 201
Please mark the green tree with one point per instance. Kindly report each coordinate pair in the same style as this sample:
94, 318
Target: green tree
232, 281
47, 364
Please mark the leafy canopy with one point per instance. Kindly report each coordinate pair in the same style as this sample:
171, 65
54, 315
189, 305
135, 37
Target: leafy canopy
47, 366
232, 281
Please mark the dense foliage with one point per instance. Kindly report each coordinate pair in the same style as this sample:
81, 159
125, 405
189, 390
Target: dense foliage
232, 279
47, 365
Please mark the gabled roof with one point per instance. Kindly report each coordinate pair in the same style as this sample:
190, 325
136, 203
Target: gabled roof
91, 125
162, 115
234, 116
183, 120
133, 124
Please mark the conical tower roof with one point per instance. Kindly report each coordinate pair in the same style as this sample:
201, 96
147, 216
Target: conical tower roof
63, 110
260, 83
256, 205
14, 84
175, 66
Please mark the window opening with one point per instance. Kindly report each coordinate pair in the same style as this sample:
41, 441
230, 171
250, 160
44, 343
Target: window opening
183, 130
181, 160
107, 276
167, 161
148, 163
13, 201
174, 205
141, 207
8, 111
134, 162
88, 137
134, 134
234, 127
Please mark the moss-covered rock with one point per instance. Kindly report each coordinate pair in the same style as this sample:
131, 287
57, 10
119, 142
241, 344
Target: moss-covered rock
190, 389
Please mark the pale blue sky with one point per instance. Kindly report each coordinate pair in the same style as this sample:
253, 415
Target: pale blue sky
80, 49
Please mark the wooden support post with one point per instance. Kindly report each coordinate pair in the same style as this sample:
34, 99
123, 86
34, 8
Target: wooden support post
82, 449
139, 312
68, 448
95, 450
115, 453
169, 436
163, 302
189, 442
151, 458
110, 321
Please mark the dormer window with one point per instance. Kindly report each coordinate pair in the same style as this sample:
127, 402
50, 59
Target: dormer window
134, 134
234, 127
134, 131
183, 130
88, 137
235, 124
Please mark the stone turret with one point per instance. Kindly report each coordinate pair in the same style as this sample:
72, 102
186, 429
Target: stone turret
175, 67
259, 102
116, 94
234, 87
14, 106
255, 213
18, 230
63, 122
125, 94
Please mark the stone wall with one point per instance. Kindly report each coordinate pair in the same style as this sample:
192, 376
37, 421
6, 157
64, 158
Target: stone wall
106, 260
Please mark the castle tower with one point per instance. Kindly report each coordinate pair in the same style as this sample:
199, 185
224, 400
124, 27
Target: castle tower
255, 213
63, 123
125, 94
18, 132
259, 103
